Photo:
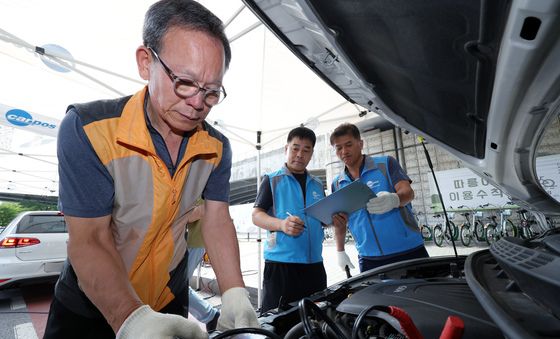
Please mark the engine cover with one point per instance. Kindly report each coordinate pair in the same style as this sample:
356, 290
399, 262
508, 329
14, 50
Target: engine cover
428, 302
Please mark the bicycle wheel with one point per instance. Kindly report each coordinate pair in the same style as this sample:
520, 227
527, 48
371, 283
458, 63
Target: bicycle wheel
479, 233
426, 232
509, 229
465, 235
454, 230
438, 235
491, 234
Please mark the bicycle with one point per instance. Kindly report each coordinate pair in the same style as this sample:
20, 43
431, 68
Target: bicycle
505, 228
480, 229
425, 229
441, 232
466, 228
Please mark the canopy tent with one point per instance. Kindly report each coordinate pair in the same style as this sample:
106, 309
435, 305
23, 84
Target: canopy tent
60, 52
56, 53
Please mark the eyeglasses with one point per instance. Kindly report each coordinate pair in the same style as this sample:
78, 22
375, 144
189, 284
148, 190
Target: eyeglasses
186, 88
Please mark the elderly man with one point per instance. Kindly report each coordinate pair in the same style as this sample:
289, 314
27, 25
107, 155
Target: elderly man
131, 170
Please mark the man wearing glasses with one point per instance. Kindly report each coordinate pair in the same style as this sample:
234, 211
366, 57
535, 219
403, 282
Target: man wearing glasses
131, 170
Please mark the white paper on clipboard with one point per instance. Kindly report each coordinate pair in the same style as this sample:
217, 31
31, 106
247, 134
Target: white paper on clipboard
348, 199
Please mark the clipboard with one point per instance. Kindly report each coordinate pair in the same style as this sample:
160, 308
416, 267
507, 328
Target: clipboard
348, 199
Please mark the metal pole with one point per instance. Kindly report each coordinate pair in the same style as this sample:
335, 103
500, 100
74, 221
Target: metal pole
234, 16
400, 150
259, 239
245, 31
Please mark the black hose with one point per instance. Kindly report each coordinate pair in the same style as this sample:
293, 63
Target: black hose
295, 332
305, 305
252, 330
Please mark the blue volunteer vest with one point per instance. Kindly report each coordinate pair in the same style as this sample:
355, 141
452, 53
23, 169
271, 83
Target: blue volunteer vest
307, 247
379, 235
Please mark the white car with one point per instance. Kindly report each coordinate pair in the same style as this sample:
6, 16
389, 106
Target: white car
32, 248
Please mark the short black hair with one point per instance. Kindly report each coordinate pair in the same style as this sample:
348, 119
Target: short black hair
302, 133
345, 129
165, 14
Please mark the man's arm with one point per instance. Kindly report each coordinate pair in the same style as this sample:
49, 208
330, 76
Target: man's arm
404, 191
91, 239
339, 222
221, 244
292, 225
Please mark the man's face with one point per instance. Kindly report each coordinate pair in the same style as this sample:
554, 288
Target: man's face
348, 149
188, 54
298, 154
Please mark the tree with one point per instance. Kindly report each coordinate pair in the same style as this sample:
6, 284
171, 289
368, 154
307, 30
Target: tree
8, 211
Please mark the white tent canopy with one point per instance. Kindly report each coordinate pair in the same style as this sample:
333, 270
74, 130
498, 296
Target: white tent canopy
269, 90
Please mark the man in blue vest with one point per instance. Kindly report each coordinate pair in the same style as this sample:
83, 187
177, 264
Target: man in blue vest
293, 251
386, 230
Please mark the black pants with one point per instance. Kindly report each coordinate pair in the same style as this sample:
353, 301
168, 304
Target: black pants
369, 263
291, 282
65, 324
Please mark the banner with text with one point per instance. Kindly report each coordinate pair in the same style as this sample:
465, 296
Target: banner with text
33, 122
464, 187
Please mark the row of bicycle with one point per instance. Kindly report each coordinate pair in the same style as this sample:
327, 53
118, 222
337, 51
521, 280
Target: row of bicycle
479, 226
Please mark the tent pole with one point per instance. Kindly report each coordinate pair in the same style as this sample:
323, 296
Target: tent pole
234, 16
259, 239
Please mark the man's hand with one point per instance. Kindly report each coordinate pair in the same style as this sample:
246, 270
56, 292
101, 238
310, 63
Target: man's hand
145, 323
236, 311
383, 203
292, 225
339, 219
344, 260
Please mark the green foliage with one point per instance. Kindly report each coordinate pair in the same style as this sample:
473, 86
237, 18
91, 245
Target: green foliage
37, 206
8, 210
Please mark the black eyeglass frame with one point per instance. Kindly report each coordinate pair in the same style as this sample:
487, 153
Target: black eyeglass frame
177, 81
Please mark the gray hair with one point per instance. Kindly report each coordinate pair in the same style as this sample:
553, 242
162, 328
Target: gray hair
165, 14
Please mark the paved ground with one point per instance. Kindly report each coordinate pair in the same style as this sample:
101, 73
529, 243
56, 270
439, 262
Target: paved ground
23, 312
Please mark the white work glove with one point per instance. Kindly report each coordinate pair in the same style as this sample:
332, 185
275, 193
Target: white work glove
384, 202
145, 323
344, 260
236, 311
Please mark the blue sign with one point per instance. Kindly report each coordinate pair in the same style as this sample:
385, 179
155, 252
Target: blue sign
22, 118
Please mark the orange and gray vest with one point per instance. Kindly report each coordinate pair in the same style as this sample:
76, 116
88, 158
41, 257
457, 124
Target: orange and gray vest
150, 207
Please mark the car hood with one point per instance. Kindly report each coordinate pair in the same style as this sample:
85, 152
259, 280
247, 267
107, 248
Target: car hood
479, 78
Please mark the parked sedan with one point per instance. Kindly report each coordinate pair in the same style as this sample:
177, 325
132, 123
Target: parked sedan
32, 248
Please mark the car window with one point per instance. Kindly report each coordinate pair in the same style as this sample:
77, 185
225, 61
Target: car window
548, 159
42, 224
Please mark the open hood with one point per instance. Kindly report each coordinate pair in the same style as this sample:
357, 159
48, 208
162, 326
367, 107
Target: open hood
479, 78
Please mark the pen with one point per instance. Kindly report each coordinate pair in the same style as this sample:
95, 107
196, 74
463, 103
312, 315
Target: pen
290, 214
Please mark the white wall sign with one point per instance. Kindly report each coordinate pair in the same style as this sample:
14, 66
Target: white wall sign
548, 172
463, 187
